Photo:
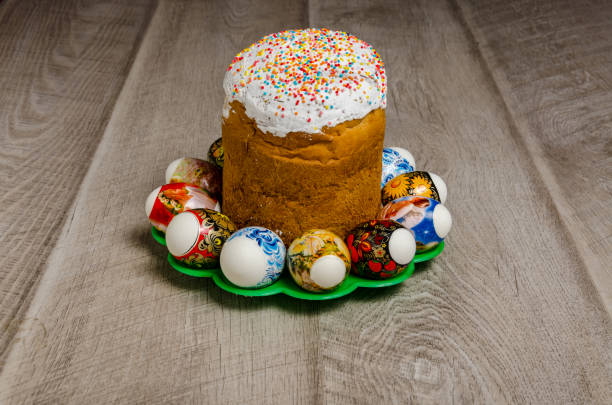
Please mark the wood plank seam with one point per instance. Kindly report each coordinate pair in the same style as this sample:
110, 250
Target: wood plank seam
109, 309
19, 316
516, 131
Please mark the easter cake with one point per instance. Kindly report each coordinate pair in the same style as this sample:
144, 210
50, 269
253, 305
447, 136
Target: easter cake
303, 129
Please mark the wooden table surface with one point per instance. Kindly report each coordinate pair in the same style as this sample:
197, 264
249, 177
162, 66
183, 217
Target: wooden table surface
509, 101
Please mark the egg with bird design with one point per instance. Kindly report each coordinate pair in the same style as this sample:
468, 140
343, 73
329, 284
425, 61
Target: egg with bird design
429, 220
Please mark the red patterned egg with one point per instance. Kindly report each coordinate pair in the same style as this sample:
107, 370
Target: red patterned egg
195, 237
380, 249
167, 201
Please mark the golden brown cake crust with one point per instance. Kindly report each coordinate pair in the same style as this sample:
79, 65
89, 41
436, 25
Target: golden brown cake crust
292, 184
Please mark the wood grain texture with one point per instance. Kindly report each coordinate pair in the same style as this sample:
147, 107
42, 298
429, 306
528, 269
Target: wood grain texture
62, 64
110, 321
551, 61
508, 313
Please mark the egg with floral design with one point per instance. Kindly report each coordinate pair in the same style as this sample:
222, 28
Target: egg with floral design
195, 171
395, 161
318, 261
428, 219
195, 237
253, 257
215, 153
419, 183
169, 200
380, 249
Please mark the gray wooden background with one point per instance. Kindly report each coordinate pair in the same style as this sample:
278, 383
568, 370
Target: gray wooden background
510, 101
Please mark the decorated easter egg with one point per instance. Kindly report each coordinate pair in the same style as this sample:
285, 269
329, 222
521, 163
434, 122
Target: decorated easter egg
167, 201
427, 218
380, 249
195, 237
215, 153
405, 154
318, 260
253, 257
198, 172
415, 183
395, 161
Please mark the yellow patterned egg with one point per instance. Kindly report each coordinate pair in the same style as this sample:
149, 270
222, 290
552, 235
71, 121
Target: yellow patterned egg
318, 260
215, 153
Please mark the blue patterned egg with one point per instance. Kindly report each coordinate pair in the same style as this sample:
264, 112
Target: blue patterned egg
395, 161
253, 257
427, 218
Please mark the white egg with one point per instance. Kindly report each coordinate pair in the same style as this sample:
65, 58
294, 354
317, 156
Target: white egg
328, 271
243, 263
440, 186
172, 168
402, 246
442, 221
253, 257
151, 201
405, 154
182, 233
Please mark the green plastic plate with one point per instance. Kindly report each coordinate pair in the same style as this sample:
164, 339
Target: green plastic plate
285, 285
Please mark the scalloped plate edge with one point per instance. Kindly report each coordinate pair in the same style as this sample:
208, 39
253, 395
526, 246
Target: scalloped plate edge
281, 286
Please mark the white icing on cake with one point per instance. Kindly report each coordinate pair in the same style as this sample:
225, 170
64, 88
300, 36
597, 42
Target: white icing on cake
304, 80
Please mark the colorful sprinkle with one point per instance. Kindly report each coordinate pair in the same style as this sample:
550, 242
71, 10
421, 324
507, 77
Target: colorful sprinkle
301, 70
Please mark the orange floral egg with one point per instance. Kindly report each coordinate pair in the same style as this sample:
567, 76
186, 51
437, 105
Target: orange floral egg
417, 183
